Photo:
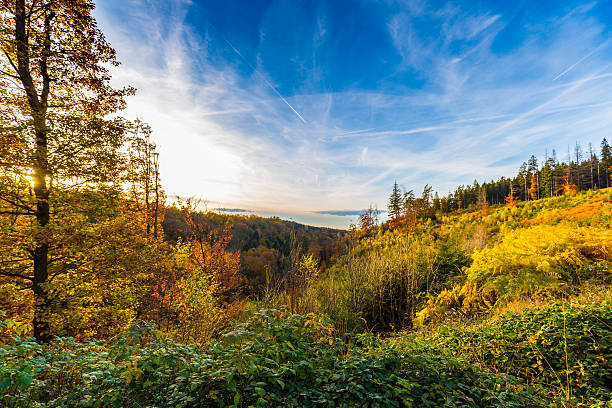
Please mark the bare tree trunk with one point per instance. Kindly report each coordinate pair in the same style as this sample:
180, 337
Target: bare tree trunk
156, 208
598, 175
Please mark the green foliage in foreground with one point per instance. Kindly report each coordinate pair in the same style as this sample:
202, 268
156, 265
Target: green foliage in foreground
565, 349
271, 360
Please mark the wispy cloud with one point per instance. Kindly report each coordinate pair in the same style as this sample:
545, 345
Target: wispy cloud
568, 69
345, 213
457, 100
232, 210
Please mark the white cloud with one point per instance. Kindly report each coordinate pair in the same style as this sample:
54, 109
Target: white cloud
230, 138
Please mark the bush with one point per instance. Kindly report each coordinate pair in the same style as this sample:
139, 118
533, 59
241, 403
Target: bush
380, 284
564, 348
525, 262
273, 359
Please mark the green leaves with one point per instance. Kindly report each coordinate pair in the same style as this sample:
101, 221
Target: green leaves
272, 359
565, 349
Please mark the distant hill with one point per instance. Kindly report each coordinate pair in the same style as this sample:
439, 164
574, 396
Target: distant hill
265, 244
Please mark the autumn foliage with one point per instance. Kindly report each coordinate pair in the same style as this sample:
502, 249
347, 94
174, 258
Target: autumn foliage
201, 287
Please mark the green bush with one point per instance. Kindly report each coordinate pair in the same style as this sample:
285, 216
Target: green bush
272, 359
564, 348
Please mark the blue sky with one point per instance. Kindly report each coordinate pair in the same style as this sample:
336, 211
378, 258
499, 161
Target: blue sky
305, 108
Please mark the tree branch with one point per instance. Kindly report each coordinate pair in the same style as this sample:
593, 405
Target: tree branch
16, 275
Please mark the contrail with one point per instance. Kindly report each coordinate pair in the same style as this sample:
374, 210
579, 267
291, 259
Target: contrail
258, 73
579, 61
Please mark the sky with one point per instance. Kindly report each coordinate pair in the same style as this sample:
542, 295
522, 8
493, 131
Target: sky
310, 110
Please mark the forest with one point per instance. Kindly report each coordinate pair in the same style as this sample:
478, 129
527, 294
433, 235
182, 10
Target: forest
495, 295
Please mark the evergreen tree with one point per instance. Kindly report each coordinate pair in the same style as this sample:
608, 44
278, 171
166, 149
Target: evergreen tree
395, 202
532, 169
546, 178
523, 175
606, 161
436, 202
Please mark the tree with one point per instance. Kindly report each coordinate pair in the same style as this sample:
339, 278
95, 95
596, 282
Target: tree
606, 160
546, 178
57, 143
199, 294
510, 199
395, 202
436, 202
533, 191
368, 219
592, 159
578, 161
146, 194
532, 169
483, 203
523, 173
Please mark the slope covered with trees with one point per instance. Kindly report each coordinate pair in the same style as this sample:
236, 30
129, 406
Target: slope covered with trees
534, 180
269, 247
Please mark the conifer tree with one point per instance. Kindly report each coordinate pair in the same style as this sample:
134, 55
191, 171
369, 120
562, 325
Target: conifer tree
523, 173
534, 177
606, 160
546, 178
395, 202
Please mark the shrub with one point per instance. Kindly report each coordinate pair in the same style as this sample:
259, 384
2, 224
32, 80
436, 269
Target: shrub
523, 263
564, 348
273, 359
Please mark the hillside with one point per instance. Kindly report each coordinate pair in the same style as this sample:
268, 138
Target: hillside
266, 245
516, 303
558, 356
469, 262
491, 307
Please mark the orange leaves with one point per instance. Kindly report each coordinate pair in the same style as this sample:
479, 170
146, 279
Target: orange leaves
511, 201
198, 293
209, 253
568, 187
533, 189
588, 210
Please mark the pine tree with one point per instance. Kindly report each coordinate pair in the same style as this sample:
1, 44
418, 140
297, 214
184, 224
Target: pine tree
546, 178
534, 177
395, 202
436, 202
606, 160
523, 175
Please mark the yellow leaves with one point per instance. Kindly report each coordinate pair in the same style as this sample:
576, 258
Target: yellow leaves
525, 261
544, 266
132, 372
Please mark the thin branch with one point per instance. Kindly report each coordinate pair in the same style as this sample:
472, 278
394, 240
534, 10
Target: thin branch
11, 62
16, 213
15, 260
16, 275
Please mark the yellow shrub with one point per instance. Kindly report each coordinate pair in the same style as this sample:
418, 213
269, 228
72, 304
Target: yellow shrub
524, 262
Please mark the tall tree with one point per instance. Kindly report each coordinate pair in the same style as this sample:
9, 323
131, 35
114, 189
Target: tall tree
606, 160
523, 174
395, 202
592, 159
56, 139
146, 194
546, 178
533, 171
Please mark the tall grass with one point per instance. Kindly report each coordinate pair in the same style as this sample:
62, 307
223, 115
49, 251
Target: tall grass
378, 285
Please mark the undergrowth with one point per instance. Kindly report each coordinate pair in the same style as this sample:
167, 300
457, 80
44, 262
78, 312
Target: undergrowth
271, 360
